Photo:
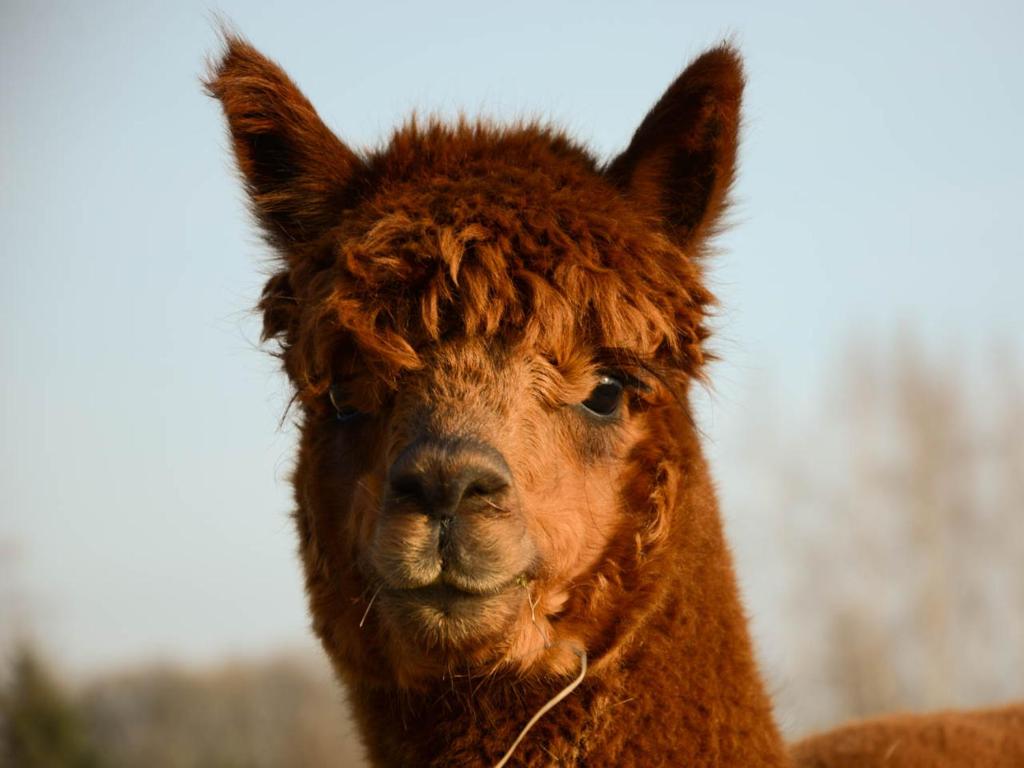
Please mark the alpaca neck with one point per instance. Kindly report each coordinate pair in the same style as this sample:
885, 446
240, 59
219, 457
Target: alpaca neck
688, 692
684, 691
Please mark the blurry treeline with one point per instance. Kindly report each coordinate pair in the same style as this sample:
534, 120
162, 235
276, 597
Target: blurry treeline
889, 533
894, 511
284, 711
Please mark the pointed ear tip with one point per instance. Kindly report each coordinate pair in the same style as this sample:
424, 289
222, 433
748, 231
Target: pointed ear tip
220, 62
227, 34
721, 67
234, 53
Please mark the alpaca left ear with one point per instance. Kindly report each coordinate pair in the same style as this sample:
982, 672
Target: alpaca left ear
682, 159
296, 171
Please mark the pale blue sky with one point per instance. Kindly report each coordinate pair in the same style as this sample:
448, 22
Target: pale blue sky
142, 474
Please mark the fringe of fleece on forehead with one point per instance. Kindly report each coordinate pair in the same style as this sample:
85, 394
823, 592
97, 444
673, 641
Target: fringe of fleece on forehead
389, 297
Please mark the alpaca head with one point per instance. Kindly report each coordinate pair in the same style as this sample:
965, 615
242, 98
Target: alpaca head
490, 336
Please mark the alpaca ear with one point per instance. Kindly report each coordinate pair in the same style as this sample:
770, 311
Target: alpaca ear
680, 163
295, 170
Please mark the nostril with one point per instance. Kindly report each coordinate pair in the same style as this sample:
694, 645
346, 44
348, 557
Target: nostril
487, 485
408, 487
475, 489
478, 483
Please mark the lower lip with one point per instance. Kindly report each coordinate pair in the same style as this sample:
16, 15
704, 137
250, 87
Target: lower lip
445, 593
442, 600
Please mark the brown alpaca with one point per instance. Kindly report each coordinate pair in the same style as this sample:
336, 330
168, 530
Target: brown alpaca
492, 338
985, 739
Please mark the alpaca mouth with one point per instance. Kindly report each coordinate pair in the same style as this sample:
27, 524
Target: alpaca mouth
450, 593
443, 594
452, 587
444, 615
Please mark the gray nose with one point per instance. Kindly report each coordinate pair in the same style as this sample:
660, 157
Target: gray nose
445, 477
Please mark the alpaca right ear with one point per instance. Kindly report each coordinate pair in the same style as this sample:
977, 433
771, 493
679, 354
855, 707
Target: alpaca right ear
295, 170
682, 159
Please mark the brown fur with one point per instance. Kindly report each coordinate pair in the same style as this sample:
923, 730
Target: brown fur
992, 738
444, 305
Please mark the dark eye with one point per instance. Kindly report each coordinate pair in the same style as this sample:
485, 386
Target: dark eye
343, 411
606, 397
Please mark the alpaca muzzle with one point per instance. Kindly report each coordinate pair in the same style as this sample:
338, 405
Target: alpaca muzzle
450, 525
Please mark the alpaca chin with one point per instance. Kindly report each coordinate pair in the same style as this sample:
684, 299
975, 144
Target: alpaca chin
440, 619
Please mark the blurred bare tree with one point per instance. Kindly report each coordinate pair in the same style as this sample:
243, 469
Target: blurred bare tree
901, 504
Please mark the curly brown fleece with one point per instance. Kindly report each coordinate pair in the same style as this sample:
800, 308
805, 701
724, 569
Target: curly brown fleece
473, 284
992, 738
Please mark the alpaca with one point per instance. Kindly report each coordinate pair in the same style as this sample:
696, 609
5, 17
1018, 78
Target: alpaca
983, 739
502, 506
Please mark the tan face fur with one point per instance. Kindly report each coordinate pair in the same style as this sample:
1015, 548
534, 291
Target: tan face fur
486, 582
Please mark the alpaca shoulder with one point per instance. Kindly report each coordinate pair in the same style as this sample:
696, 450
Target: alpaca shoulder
989, 738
